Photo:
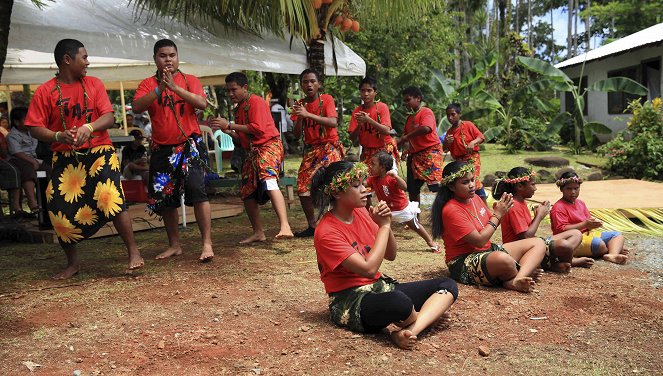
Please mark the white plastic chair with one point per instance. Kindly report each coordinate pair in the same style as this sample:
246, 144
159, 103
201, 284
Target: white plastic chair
222, 142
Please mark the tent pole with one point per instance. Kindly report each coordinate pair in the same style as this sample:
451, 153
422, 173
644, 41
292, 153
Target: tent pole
124, 111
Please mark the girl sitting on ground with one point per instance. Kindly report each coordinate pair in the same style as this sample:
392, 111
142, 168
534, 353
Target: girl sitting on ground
351, 242
571, 213
466, 225
518, 223
390, 188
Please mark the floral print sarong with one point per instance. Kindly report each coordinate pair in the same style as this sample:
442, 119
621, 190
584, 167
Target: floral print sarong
263, 163
427, 164
84, 192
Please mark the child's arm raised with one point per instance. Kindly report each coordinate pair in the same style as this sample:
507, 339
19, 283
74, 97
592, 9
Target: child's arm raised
401, 183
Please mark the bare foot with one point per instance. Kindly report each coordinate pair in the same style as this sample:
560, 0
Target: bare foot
561, 267
260, 237
207, 254
170, 252
625, 251
536, 275
522, 284
583, 262
617, 259
136, 262
67, 273
404, 339
284, 234
444, 321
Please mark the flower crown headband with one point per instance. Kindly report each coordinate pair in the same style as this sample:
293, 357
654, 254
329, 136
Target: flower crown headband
340, 182
519, 179
573, 179
469, 167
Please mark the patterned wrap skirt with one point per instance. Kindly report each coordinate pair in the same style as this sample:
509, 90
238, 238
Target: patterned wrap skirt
316, 156
476, 159
84, 192
345, 305
391, 148
472, 268
174, 170
263, 163
427, 164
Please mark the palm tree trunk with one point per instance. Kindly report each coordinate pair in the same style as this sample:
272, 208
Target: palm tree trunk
529, 24
552, 37
588, 27
315, 56
575, 28
569, 30
5, 20
517, 16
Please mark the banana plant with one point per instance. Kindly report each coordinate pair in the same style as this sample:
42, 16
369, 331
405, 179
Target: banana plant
555, 78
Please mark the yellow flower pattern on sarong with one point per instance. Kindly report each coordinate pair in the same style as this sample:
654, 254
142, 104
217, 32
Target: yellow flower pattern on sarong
97, 166
64, 229
108, 198
72, 182
86, 216
49, 191
114, 162
101, 148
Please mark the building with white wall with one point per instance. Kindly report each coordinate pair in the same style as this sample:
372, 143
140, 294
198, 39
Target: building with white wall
637, 56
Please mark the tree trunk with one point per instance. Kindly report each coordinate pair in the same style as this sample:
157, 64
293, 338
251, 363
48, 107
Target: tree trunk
5, 20
569, 31
467, 26
588, 27
575, 28
552, 37
529, 24
517, 16
315, 56
502, 18
497, 40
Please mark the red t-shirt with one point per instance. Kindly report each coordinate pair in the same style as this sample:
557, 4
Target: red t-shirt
44, 110
369, 137
564, 213
467, 131
312, 130
458, 221
164, 126
515, 221
335, 241
260, 122
423, 118
386, 189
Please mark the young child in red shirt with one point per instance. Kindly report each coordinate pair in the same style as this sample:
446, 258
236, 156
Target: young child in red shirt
256, 132
466, 225
351, 243
389, 187
462, 140
518, 223
570, 213
370, 123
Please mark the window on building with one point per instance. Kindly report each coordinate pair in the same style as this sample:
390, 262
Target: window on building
618, 101
651, 77
570, 103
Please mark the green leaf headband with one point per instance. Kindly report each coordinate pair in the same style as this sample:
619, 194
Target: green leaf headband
573, 179
341, 181
469, 167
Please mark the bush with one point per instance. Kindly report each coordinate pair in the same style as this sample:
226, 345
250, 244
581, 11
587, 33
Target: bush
637, 151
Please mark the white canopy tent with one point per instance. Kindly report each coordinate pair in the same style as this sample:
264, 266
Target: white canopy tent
119, 43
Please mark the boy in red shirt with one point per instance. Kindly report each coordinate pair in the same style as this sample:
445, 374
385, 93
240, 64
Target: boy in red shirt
256, 132
389, 187
463, 140
179, 156
72, 112
370, 123
424, 162
315, 116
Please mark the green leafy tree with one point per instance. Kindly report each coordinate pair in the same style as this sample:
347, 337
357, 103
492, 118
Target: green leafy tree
616, 19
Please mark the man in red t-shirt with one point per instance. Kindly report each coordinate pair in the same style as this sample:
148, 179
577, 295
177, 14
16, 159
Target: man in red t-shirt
463, 140
315, 116
370, 123
423, 148
72, 112
179, 156
255, 130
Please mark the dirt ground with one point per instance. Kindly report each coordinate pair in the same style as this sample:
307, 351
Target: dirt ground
262, 310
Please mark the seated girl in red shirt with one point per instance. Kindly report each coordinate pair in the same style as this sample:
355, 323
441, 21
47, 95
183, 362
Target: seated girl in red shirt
518, 224
570, 213
351, 242
466, 225
389, 187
